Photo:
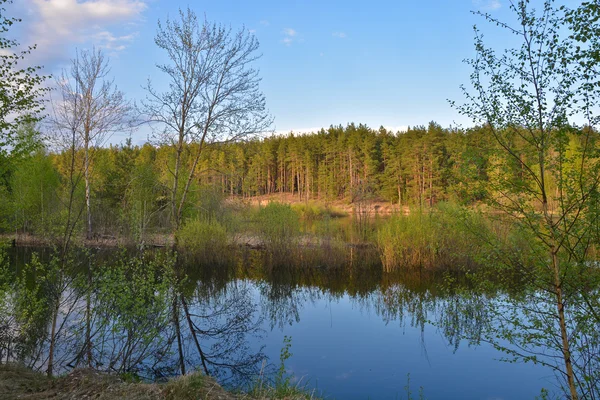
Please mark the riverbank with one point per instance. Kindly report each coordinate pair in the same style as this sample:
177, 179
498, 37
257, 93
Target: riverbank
162, 241
18, 382
100, 241
239, 211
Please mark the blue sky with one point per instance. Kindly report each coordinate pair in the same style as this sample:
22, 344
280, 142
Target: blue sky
378, 62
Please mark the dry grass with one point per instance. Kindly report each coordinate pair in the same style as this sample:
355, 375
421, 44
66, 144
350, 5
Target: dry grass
17, 382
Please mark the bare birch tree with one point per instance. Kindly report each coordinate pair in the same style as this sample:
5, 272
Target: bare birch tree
213, 94
89, 110
95, 109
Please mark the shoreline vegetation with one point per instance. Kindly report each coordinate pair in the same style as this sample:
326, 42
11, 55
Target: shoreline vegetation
19, 382
444, 237
400, 238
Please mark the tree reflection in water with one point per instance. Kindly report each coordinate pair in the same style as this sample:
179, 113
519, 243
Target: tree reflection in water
130, 327
224, 313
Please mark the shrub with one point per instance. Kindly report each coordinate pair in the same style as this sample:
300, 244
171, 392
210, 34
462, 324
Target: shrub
310, 211
279, 227
207, 238
440, 238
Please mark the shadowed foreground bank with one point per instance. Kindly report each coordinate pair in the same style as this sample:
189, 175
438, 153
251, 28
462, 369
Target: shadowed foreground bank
17, 382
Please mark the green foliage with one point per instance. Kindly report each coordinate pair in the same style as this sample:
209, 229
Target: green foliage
132, 300
282, 380
131, 197
205, 239
282, 387
279, 227
143, 198
40, 299
544, 172
26, 150
439, 239
312, 211
6, 301
35, 194
20, 88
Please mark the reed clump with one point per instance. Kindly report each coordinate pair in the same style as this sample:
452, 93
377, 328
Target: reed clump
439, 238
328, 253
279, 229
311, 211
205, 239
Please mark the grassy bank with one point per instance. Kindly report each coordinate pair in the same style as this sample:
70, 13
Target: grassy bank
18, 382
444, 237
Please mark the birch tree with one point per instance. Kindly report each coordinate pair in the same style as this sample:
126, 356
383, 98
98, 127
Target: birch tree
212, 96
94, 108
21, 97
538, 101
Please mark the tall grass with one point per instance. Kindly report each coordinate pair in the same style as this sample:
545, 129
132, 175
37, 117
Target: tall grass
204, 239
441, 238
311, 211
279, 229
281, 387
285, 244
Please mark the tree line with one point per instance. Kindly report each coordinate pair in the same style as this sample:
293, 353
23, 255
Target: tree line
132, 185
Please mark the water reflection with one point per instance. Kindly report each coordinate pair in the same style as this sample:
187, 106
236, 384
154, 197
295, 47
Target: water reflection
120, 315
221, 325
357, 332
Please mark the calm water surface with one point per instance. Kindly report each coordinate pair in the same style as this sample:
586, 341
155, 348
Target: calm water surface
355, 333
348, 348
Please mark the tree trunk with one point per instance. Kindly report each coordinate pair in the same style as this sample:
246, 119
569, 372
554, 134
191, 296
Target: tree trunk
87, 189
193, 331
174, 216
178, 334
88, 319
50, 369
566, 350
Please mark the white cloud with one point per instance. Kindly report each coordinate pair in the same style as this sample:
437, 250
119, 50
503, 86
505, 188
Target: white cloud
264, 22
487, 5
340, 35
58, 24
109, 41
289, 32
289, 36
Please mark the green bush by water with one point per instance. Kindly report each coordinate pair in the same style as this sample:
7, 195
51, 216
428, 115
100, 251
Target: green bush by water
436, 239
205, 238
279, 228
311, 211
